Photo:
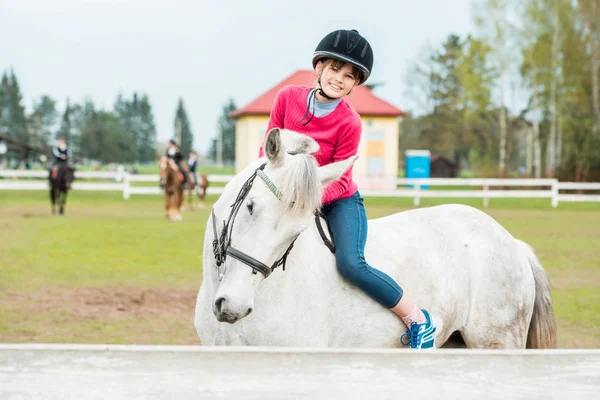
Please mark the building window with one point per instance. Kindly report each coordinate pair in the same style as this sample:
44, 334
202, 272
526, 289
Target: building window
376, 152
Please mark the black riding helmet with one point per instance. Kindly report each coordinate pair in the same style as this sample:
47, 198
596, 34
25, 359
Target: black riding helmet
348, 46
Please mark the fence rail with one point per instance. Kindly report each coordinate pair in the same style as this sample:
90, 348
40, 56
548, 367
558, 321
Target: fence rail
68, 371
416, 189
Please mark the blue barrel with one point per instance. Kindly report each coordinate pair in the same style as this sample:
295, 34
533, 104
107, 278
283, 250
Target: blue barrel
417, 164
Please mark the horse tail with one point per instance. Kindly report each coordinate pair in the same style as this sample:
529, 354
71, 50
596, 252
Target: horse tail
542, 328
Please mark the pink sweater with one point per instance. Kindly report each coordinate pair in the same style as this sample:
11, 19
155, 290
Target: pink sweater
337, 133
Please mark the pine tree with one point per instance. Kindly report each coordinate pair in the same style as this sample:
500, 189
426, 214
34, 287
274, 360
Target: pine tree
128, 114
66, 125
17, 122
226, 132
183, 132
42, 121
4, 106
147, 143
104, 138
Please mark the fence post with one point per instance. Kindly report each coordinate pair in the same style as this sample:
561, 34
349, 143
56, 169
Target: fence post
485, 198
417, 198
126, 192
554, 190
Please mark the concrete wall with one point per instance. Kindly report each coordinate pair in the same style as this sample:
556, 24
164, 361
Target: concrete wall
196, 372
376, 168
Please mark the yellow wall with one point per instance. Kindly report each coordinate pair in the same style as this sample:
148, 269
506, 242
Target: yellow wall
249, 133
376, 167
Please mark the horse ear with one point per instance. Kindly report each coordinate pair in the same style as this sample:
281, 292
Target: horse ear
331, 172
274, 148
298, 142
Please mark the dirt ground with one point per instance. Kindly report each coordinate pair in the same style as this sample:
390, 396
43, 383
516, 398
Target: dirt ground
105, 302
100, 314
129, 315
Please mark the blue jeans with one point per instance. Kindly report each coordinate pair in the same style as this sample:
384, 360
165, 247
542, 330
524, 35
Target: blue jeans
348, 223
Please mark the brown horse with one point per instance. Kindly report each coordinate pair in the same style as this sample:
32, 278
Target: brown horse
170, 181
196, 184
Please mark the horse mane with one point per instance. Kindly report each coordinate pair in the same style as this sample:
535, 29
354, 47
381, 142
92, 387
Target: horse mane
300, 187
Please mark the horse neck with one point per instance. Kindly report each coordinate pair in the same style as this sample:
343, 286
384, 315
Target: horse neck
310, 273
60, 179
172, 173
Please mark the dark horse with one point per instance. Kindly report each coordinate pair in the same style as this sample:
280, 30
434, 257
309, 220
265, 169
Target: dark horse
60, 183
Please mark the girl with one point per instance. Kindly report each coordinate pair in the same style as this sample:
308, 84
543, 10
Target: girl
343, 60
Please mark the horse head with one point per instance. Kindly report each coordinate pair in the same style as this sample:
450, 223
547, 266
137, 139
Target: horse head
272, 208
162, 164
64, 177
168, 172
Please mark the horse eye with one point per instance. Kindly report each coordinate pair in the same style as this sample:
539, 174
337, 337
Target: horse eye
250, 206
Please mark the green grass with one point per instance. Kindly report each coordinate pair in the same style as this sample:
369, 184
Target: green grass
122, 249
104, 241
153, 169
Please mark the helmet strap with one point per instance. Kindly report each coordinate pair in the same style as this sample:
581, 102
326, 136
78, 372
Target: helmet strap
322, 92
311, 96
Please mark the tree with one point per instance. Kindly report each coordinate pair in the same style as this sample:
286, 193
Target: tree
589, 13
4, 109
43, 120
137, 121
147, 134
66, 124
222, 148
12, 119
126, 112
104, 138
183, 131
492, 20
477, 78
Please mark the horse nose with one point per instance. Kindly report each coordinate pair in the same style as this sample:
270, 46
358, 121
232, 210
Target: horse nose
219, 304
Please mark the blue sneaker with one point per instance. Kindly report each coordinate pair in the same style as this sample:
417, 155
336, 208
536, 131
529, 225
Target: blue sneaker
420, 336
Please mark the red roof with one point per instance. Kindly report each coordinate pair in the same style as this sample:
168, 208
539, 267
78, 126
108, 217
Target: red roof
362, 99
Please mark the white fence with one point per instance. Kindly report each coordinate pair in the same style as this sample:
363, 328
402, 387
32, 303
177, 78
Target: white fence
41, 371
536, 188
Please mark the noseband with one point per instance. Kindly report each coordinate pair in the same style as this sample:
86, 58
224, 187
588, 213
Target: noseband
222, 244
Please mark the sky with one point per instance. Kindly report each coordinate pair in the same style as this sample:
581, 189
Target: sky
206, 52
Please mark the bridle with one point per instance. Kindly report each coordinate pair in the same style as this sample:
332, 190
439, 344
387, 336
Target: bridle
222, 243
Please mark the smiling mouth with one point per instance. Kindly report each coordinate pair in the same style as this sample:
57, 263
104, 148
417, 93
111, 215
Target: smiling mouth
335, 87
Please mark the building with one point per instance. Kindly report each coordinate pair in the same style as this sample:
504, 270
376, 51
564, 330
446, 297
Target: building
377, 166
441, 167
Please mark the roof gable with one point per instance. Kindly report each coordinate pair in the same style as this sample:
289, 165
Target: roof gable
362, 99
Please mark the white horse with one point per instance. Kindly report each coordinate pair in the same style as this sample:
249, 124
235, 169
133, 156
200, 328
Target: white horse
456, 261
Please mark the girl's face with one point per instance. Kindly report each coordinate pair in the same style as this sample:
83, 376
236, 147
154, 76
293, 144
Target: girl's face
337, 81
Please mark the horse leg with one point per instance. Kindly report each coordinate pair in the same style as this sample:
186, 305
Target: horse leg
507, 330
191, 196
61, 203
167, 205
200, 194
53, 200
179, 199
